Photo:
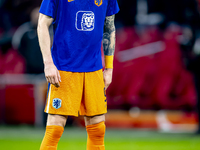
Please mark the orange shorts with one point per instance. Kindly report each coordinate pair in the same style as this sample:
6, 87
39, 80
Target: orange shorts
79, 93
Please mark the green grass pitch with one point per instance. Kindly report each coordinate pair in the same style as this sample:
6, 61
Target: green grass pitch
28, 138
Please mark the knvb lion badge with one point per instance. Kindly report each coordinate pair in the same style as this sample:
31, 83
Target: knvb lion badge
57, 103
98, 2
85, 20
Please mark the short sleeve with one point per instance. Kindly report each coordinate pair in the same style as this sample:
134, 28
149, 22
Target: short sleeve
49, 7
112, 8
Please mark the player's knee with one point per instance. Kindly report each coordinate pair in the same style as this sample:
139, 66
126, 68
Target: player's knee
101, 129
54, 131
94, 119
56, 120
96, 130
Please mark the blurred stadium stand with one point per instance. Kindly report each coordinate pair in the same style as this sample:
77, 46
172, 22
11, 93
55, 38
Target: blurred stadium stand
150, 75
157, 41
22, 99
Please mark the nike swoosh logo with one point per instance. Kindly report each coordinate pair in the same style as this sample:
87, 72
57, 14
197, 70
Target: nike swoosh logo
70, 0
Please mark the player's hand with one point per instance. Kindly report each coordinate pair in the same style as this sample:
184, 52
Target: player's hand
107, 75
52, 74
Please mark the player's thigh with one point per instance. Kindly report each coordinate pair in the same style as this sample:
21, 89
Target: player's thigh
58, 120
66, 99
94, 119
94, 100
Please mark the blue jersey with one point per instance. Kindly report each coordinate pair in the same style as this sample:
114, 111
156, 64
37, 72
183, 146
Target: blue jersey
78, 31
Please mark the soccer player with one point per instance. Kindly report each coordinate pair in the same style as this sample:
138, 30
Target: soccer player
73, 66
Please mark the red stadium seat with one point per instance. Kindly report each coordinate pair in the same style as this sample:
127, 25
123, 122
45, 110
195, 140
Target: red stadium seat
11, 63
19, 104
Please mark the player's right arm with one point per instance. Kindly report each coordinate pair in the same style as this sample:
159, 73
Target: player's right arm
51, 72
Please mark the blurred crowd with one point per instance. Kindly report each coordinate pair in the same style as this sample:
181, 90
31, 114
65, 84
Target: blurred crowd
140, 22
19, 48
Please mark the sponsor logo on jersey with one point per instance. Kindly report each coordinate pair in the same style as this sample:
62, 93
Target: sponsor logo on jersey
70, 0
85, 20
98, 2
57, 103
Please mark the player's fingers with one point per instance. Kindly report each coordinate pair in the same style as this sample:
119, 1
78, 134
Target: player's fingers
59, 77
50, 80
57, 84
106, 86
53, 80
47, 78
106, 83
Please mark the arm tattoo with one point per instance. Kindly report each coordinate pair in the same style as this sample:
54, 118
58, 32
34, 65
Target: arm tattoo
109, 36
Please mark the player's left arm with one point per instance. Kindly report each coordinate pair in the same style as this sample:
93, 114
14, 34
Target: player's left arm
109, 48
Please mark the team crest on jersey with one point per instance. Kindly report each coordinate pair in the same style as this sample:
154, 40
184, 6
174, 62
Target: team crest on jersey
98, 2
57, 103
85, 20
